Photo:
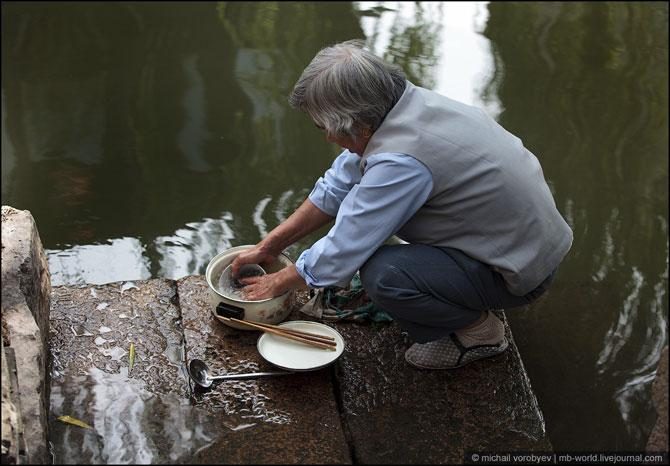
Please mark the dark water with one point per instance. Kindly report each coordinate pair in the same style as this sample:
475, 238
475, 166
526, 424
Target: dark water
147, 137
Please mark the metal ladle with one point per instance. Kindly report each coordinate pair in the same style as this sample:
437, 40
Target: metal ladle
199, 372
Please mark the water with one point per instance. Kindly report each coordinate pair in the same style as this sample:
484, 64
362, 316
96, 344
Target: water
133, 425
137, 426
145, 138
151, 414
230, 287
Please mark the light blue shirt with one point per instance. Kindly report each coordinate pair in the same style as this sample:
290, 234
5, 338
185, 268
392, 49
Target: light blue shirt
368, 209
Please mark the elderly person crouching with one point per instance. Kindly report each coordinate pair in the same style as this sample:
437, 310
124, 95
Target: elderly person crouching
471, 201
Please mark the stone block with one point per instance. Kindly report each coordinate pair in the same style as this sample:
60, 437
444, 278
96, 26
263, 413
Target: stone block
396, 414
290, 419
26, 288
12, 429
369, 407
138, 415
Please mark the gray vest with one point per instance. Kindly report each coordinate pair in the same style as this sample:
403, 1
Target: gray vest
489, 197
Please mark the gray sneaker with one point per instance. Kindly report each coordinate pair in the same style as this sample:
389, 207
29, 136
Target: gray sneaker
449, 353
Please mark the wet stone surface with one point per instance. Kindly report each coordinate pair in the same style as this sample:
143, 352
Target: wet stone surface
395, 414
95, 325
140, 417
270, 420
369, 407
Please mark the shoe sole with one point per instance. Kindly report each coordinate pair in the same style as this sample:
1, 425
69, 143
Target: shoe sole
419, 366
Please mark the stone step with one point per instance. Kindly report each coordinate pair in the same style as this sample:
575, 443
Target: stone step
92, 328
291, 419
396, 414
370, 407
155, 414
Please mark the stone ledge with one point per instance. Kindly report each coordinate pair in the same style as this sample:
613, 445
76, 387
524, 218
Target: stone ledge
396, 414
26, 289
290, 419
93, 381
370, 407
13, 445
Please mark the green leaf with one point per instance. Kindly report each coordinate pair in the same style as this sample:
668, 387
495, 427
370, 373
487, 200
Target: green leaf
131, 358
73, 421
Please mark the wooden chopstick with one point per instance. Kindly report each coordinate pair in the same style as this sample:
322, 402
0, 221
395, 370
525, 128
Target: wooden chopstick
309, 336
300, 333
318, 344
331, 345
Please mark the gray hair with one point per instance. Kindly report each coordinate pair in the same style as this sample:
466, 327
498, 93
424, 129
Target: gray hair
347, 88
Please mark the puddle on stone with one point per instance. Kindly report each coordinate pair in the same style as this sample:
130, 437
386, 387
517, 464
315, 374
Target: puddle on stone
242, 399
151, 416
127, 286
115, 352
130, 424
81, 332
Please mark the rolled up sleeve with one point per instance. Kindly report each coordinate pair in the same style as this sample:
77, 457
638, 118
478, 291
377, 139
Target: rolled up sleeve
390, 192
331, 189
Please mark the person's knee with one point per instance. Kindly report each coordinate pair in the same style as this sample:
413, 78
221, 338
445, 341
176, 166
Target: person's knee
381, 278
370, 270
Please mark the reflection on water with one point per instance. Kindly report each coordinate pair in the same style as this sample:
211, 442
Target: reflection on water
439, 44
190, 249
130, 424
145, 138
119, 259
187, 251
585, 85
244, 402
194, 132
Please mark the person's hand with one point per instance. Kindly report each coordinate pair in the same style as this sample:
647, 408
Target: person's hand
271, 285
263, 287
254, 255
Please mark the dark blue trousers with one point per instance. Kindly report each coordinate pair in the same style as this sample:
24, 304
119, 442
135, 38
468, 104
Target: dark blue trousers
432, 291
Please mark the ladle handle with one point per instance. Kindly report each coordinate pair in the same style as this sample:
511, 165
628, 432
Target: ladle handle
245, 376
